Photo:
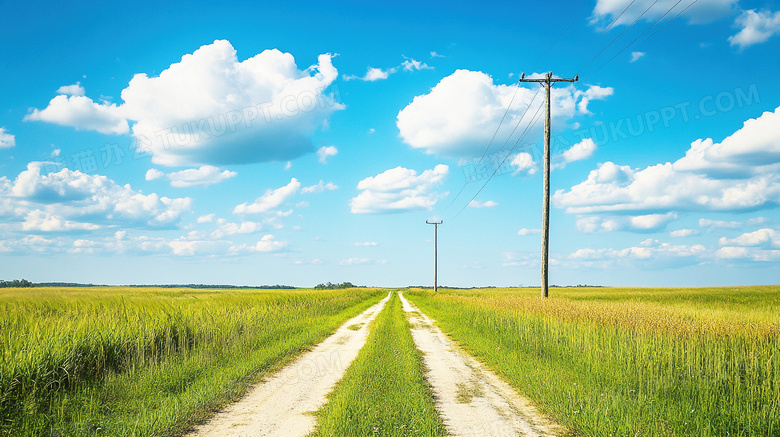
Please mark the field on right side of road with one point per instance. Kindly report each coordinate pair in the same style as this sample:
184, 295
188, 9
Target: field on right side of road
628, 361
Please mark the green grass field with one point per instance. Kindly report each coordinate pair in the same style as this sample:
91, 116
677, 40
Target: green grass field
601, 361
129, 361
384, 391
629, 362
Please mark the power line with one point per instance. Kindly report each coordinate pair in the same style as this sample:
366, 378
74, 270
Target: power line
522, 136
673, 18
616, 38
502, 146
507, 111
634, 40
616, 19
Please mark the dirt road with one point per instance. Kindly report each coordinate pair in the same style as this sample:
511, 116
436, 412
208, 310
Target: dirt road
471, 399
283, 404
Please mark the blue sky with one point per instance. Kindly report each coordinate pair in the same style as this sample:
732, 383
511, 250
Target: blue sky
250, 143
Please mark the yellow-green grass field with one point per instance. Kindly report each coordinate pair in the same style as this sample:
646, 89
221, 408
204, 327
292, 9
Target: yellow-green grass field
629, 362
148, 361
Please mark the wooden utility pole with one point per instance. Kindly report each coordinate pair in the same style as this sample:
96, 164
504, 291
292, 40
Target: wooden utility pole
547, 83
435, 253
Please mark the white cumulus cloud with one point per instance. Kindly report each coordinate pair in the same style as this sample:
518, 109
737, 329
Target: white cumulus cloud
756, 27
6, 140
399, 190
459, 116
73, 201
204, 176
210, 108
153, 174
738, 174
270, 200
320, 187
485, 204
82, 113
325, 151
72, 90
680, 233
765, 237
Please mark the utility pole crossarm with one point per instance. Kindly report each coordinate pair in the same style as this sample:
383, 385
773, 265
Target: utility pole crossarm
547, 82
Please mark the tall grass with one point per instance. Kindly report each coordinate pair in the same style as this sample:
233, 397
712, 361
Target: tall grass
129, 361
638, 362
384, 391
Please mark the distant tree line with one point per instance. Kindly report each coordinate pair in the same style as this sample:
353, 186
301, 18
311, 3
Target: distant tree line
331, 286
263, 287
17, 283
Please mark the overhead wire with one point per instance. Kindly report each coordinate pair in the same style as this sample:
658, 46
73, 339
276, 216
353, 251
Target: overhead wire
665, 24
616, 19
528, 127
642, 34
616, 38
507, 111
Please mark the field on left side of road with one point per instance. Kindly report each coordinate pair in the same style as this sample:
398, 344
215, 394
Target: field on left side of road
149, 361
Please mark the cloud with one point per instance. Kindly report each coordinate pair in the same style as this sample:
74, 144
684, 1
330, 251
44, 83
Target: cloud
206, 218
271, 199
82, 113
459, 116
153, 174
485, 204
324, 152
38, 220
398, 190
738, 174
636, 55
372, 75
73, 201
707, 223
411, 65
680, 233
6, 140
640, 223
752, 254
203, 176
757, 27
375, 74
649, 254
209, 108
524, 162
436, 55
766, 238
701, 11
265, 244
366, 244
72, 90
360, 261
320, 187
578, 152
525, 231
226, 228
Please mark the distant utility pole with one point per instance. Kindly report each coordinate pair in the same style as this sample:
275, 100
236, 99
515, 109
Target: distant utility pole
547, 83
435, 253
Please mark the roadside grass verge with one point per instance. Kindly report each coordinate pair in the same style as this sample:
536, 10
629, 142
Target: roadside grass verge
384, 391
130, 361
639, 362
